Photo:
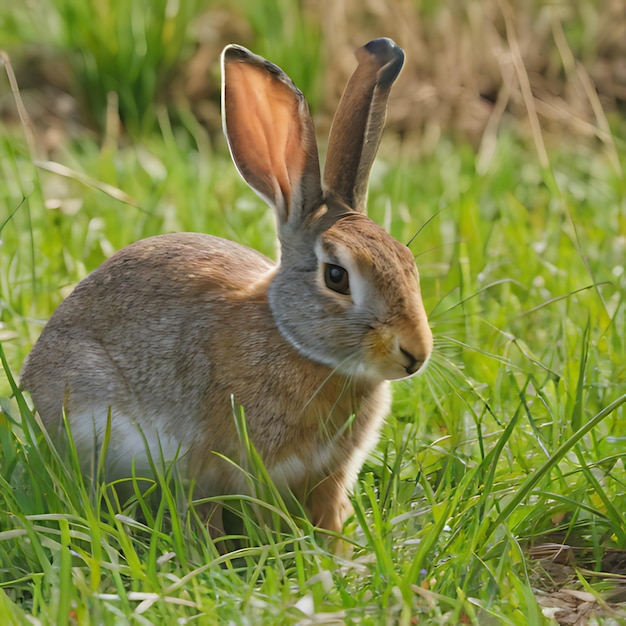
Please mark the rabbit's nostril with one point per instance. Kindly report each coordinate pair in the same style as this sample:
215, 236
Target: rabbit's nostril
413, 363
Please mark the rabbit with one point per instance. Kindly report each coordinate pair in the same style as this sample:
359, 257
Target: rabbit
172, 332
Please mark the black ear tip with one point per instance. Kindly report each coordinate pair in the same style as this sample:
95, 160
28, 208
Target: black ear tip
389, 55
383, 47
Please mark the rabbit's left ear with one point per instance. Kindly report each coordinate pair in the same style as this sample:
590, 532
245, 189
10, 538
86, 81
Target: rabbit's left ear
270, 134
358, 123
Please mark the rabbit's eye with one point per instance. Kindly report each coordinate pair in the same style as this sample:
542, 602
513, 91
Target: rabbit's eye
336, 278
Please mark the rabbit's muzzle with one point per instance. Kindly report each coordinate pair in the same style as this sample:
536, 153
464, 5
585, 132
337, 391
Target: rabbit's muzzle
400, 349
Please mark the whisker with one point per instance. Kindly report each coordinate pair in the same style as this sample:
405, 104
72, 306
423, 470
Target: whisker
341, 366
348, 368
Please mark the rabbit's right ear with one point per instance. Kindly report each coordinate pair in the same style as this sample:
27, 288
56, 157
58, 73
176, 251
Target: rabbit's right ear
358, 123
270, 134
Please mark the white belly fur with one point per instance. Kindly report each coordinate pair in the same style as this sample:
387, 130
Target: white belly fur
130, 449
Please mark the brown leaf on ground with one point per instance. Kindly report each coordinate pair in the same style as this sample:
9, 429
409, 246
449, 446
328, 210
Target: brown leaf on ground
570, 607
556, 577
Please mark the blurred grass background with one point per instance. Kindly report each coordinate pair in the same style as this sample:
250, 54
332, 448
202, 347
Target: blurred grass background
468, 64
503, 164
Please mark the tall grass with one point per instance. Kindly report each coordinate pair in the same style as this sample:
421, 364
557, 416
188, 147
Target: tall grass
513, 435
121, 55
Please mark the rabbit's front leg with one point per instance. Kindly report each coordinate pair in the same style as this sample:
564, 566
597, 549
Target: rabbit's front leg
329, 504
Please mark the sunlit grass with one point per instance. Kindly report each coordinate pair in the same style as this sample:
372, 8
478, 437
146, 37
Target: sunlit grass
513, 435
488, 450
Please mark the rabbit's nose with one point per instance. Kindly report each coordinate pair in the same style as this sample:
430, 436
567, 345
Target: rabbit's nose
414, 364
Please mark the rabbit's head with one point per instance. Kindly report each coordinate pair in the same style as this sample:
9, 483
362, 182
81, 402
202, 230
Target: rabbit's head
346, 294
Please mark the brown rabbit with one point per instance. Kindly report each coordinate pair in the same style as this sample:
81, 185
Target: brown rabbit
168, 331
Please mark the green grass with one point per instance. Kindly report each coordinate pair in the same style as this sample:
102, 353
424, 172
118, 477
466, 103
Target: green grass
514, 435
130, 50
514, 432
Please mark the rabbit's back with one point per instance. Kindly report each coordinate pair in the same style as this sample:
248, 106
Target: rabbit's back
139, 335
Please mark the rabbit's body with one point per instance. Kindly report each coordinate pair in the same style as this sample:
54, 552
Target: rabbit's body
300, 424
172, 332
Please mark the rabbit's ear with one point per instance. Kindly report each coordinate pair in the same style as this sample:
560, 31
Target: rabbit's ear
270, 133
358, 123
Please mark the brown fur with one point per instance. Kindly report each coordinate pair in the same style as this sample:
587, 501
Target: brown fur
174, 332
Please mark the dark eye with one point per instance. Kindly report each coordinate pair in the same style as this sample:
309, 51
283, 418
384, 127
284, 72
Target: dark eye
336, 278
